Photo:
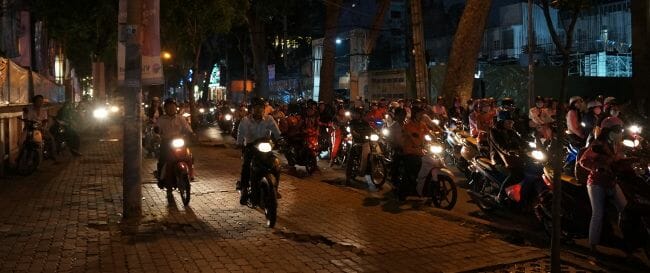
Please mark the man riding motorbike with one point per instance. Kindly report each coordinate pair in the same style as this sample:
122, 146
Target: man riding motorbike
413, 144
170, 126
394, 140
252, 128
155, 110
540, 120
360, 130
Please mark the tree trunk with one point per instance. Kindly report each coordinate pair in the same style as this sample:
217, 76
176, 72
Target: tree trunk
640, 54
258, 45
327, 71
459, 78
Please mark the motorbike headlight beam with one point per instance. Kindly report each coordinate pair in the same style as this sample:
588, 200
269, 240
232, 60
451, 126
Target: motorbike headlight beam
631, 143
427, 138
538, 155
228, 117
374, 137
264, 147
178, 143
385, 132
100, 113
435, 149
635, 129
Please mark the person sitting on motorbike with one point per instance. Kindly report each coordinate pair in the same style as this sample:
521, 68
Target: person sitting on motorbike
591, 119
576, 136
482, 119
374, 115
457, 111
394, 141
37, 112
598, 159
339, 123
311, 128
291, 131
540, 120
155, 110
170, 126
251, 129
360, 131
505, 142
65, 117
439, 111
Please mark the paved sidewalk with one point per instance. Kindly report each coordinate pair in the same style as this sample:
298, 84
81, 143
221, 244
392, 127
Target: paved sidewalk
71, 222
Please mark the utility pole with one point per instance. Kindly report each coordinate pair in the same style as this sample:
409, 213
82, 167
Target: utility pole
132, 90
418, 50
531, 56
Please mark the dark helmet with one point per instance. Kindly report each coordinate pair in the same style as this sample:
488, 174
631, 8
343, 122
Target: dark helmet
539, 98
504, 115
507, 102
439, 99
170, 101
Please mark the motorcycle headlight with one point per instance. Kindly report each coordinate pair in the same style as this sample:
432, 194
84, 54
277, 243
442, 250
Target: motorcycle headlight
115, 109
427, 137
232, 110
583, 124
532, 145
212, 110
631, 143
385, 132
228, 117
264, 147
347, 113
435, 149
374, 137
186, 115
347, 129
635, 129
538, 155
178, 143
100, 113
436, 121
201, 110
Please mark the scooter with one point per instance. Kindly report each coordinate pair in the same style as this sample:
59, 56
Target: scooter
58, 130
265, 179
440, 186
151, 141
376, 161
31, 152
177, 169
226, 120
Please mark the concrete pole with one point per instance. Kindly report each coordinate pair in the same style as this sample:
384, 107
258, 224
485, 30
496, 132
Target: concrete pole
132, 176
531, 56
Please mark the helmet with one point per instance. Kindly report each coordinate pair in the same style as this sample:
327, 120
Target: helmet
594, 103
358, 110
539, 98
610, 100
170, 101
504, 115
507, 102
155, 99
439, 98
257, 101
574, 99
394, 104
611, 122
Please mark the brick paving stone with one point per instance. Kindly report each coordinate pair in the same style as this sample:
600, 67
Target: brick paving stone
70, 218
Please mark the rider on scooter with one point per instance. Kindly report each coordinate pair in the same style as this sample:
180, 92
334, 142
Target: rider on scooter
252, 128
413, 144
360, 130
170, 126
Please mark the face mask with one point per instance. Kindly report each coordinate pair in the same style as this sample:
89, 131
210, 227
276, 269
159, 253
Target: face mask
597, 110
614, 113
540, 104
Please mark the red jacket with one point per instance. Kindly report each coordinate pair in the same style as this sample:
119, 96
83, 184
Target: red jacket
598, 160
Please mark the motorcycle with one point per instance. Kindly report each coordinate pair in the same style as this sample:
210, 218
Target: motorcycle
59, 131
151, 141
226, 120
301, 154
493, 185
177, 169
31, 152
376, 161
265, 178
439, 185
455, 137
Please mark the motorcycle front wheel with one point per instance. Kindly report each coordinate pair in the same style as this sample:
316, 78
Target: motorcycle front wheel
269, 201
379, 171
444, 192
183, 184
28, 161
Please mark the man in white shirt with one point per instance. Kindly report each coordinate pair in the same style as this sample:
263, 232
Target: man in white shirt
170, 126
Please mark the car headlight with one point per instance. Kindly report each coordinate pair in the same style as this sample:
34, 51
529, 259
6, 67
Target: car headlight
538, 155
532, 145
631, 143
385, 132
178, 143
228, 117
436, 121
201, 110
435, 149
374, 137
427, 137
100, 113
264, 147
635, 129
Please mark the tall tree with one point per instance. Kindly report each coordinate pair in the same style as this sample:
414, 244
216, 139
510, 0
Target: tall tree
459, 78
332, 11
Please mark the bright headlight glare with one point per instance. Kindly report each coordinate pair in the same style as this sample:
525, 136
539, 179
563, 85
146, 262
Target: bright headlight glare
436, 149
212, 110
228, 117
385, 132
347, 129
631, 143
427, 137
532, 145
635, 129
583, 124
538, 155
374, 137
100, 113
232, 110
178, 143
436, 121
347, 113
264, 147
202, 110
115, 109
186, 115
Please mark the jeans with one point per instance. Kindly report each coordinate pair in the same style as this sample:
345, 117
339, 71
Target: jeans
425, 168
597, 196
247, 159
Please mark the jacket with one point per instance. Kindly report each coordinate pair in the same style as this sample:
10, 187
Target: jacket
598, 159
